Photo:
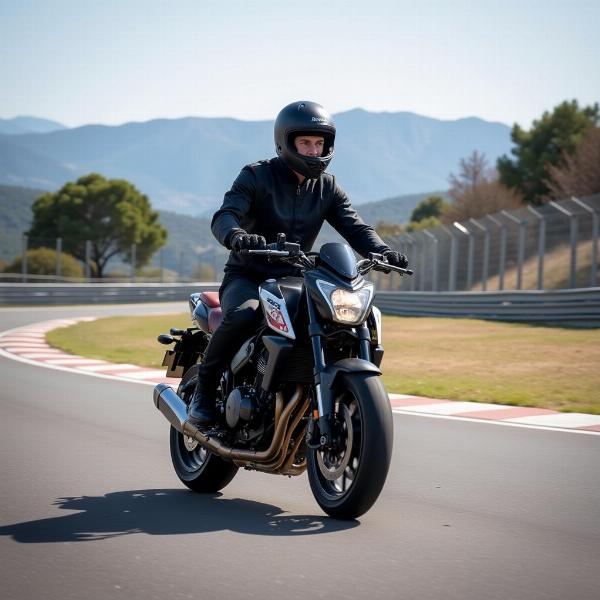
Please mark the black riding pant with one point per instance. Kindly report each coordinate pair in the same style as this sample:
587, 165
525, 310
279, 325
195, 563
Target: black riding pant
241, 317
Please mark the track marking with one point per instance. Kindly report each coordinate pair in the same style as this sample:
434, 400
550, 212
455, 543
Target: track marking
28, 345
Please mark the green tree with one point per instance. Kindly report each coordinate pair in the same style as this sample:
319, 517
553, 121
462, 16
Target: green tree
111, 213
545, 145
427, 223
42, 261
433, 206
387, 229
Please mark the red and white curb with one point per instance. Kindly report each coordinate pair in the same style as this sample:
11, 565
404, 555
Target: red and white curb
28, 344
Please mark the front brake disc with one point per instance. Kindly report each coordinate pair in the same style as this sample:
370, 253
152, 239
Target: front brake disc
333, 463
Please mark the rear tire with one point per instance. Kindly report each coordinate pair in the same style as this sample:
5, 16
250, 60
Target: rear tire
196, 467
347, 480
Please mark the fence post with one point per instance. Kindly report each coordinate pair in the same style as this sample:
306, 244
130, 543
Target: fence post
411, 245
573, 229
462, 228
486, 253
162, 264
434, 265
88, 258
541, 246
58, 256
521, 245
594, 238
214, 262
452, 261
502, 264
133, 259
24, 246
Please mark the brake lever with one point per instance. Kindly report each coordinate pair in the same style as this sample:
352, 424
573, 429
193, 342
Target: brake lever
386, 268
265, 252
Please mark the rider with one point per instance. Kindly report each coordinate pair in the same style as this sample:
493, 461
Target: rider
289, 194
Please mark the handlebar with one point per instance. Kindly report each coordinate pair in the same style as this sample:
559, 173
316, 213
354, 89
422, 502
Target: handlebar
267, 252
293, 252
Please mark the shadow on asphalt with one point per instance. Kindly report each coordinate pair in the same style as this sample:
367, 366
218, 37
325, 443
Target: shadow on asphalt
165, 512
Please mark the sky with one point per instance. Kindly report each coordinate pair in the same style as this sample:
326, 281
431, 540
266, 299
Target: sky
114, 61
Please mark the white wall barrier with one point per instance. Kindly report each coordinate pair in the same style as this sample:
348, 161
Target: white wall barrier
569, 306
98, 293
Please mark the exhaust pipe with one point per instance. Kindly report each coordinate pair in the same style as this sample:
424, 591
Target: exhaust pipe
170, 405
175, 410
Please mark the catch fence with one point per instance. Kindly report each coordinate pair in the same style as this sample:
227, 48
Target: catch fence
553, 246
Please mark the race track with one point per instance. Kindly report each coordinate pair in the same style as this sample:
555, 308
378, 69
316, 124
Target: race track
92, 509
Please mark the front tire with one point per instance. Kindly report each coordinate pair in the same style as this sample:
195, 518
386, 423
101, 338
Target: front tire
347, 479
196, 467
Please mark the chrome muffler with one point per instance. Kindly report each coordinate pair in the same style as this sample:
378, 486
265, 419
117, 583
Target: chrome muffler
170, 405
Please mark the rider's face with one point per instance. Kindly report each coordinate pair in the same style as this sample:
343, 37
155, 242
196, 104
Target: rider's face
309, 145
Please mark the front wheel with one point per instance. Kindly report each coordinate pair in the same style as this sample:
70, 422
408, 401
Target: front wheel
347, 478
196, 467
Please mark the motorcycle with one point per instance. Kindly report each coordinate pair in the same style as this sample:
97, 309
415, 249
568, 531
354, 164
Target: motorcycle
301, 394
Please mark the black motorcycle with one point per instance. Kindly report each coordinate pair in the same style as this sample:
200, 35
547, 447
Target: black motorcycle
303, 393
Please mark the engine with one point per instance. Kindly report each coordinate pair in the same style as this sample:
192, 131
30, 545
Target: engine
241, 405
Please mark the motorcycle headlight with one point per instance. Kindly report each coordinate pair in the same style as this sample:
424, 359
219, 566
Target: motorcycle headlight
347, 306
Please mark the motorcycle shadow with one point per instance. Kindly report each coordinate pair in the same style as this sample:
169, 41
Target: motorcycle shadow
165, 512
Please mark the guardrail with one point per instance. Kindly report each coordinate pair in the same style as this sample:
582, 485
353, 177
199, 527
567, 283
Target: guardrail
571, 306
98, 293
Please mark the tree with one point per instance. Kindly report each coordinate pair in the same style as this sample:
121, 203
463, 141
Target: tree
579, 175
476, 191
546, 144
427, 223
42, 261
433, 206
387, 229
111, 213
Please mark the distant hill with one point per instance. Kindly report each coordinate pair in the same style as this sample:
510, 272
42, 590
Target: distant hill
15, 218
190, 238
393, 210
18, 125
186, 165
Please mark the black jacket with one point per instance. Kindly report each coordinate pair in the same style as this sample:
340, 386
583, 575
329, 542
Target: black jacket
266, 199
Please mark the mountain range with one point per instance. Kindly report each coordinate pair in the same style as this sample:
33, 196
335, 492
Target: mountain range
185, 165
18, 125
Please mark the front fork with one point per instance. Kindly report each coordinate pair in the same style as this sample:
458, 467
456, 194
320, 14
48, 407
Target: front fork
324, 396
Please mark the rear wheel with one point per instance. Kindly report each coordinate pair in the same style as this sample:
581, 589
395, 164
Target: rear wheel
347, 478
196, 467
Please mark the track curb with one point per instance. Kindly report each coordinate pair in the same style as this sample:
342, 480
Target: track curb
28, 344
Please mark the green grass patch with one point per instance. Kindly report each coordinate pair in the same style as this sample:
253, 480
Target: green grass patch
456, 359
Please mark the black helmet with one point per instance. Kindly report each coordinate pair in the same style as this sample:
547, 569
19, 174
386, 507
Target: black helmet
308, 118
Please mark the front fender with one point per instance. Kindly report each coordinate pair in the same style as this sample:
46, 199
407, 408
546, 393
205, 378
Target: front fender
330, 373
327, 381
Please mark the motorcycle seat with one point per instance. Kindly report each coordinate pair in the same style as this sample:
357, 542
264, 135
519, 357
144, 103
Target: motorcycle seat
215, 316
211, 299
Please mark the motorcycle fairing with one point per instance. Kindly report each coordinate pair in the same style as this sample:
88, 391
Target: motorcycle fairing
275, 309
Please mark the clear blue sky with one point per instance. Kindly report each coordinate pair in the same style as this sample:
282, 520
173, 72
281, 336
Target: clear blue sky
112, 61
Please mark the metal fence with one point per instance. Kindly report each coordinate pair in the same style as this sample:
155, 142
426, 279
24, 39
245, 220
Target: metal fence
552, 246
166, 266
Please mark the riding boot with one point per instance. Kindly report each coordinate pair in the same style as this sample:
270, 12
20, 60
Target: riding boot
201, 410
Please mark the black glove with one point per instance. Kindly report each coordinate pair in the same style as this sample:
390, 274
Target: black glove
247, 241
396, 259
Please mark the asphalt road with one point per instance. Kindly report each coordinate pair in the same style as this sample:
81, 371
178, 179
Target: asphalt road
90, 507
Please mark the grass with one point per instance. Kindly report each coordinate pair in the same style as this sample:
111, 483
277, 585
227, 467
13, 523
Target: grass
457, 359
